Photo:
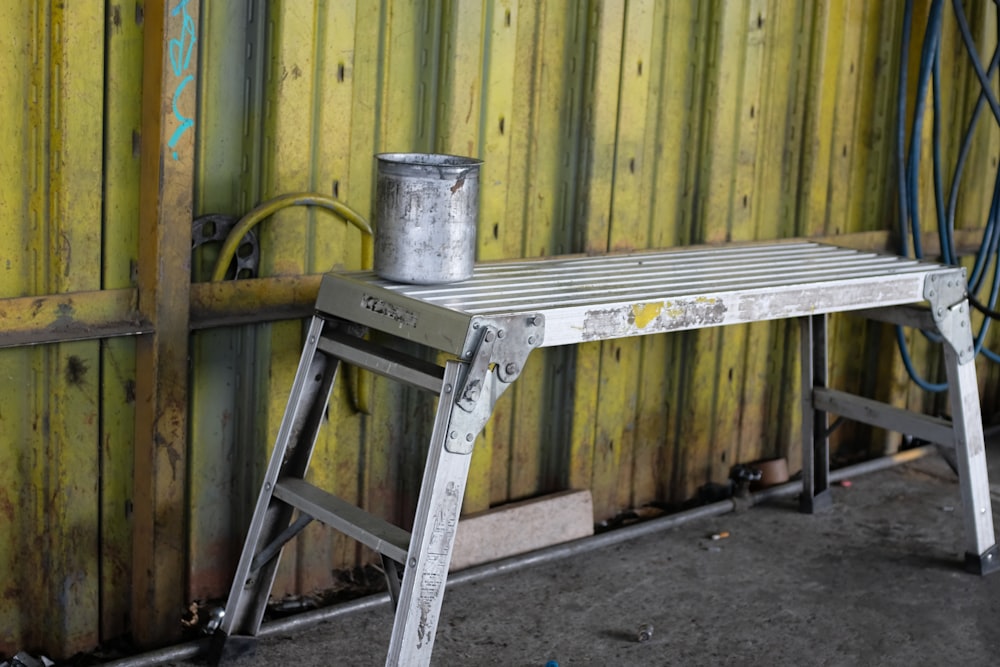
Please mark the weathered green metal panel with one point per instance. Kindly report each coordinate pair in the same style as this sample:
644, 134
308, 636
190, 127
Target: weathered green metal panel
225, 446
604, 125
122, 125
51, 235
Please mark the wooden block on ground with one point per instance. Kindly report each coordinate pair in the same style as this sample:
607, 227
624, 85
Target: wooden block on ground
521, 527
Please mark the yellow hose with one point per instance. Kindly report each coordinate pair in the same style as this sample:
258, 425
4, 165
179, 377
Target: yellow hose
270, 207
362, 387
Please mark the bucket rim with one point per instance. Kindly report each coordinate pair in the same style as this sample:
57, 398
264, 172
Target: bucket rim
429, 159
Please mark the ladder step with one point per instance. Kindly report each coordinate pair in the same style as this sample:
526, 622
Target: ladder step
382, 536
384, 361
875, 413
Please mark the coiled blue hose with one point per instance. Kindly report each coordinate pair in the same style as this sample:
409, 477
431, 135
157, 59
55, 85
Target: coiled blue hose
908, 167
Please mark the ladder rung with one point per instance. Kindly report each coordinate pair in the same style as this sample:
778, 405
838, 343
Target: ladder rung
380, 535
389, 363
889, 417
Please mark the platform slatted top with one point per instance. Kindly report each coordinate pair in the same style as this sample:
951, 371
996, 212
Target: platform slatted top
600, 297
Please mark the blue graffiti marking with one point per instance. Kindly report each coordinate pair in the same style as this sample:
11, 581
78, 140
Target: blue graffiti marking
180, 49
185, 122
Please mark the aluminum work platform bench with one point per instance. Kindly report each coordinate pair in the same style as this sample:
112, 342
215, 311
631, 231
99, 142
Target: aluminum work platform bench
488, 327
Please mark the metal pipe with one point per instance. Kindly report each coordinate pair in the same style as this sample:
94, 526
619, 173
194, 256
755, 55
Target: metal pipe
506, 565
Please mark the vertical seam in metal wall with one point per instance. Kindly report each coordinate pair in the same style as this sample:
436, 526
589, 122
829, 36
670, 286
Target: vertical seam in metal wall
40, 141
40, 242
484, 75
380, 76
102, 345
686, 344
737, 111
808, 121
319, 35
435, 69
614, 153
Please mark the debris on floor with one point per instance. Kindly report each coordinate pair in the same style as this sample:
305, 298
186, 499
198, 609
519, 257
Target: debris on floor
632, 515
25, 659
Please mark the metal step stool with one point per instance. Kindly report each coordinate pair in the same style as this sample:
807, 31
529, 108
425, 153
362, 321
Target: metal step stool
491, 323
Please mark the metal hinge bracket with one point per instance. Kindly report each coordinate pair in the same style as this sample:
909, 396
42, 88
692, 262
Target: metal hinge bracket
946, 293
496, 349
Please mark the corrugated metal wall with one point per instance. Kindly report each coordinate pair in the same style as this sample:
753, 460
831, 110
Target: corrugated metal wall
603, 125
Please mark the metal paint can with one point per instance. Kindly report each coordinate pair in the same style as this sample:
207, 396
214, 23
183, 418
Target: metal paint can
426, 214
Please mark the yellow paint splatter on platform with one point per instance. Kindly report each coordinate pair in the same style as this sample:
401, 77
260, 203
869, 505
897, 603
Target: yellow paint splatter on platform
645, 313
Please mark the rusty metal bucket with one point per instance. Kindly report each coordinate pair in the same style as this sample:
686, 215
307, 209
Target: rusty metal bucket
426, 214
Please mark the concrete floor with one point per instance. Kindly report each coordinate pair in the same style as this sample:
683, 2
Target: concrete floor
876, 579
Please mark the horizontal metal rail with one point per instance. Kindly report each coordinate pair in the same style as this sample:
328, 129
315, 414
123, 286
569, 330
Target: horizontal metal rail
875, 413
383, 361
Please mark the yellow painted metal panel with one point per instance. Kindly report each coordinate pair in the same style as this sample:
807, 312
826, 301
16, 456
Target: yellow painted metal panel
509, 96
15, 80
843, 49
460, 96
681, 90
459, 130
513, 96
17, 515
711, 412
534, 82
548, 83
771, 103
652, 409
58, 232
117, 416
770, 425
604, 125
334, 244
123, 84
494, 237
621, 361
289, 128
16, 518
221, 448
361, 71
500, 57
603, 70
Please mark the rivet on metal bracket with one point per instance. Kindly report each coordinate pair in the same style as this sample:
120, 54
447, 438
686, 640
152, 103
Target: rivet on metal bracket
496, 351
946, 294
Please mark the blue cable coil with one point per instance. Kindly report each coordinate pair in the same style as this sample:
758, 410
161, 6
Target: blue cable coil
908, 168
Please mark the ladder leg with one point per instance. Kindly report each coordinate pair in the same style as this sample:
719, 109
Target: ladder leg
981, 555
269, 527
432, 539
815, 439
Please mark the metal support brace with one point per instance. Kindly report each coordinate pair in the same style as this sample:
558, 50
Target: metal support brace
497, 349
946, 293
274, 548
815, 437
393, 575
